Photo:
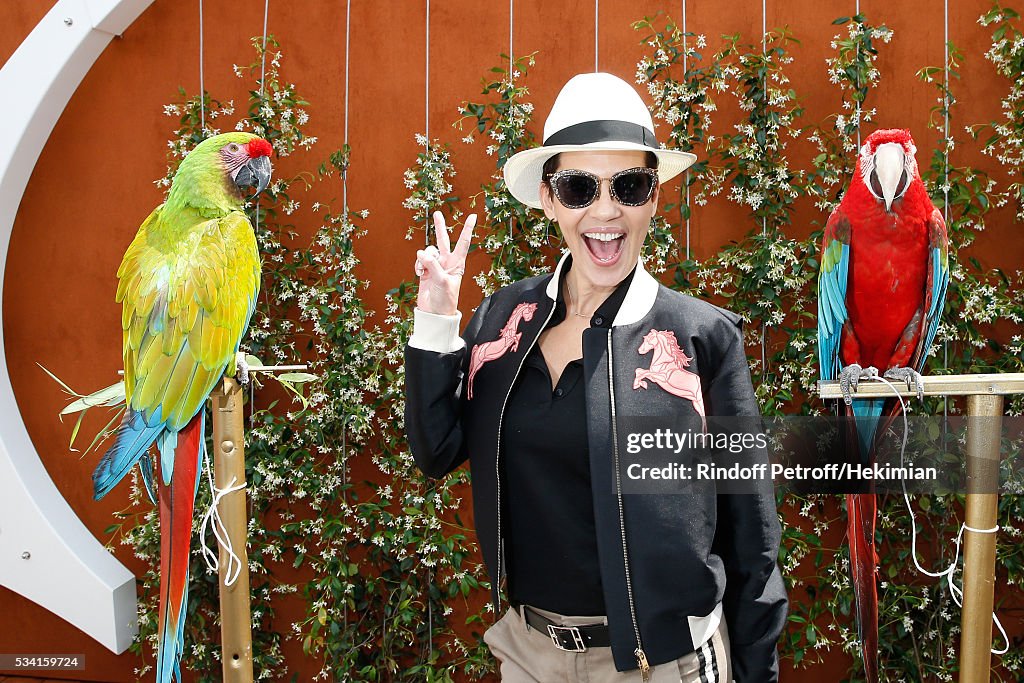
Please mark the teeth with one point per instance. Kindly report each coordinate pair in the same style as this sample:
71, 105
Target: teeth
603, 236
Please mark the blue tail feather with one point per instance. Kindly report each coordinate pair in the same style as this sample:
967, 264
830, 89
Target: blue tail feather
146, 468
867, 411
133, 438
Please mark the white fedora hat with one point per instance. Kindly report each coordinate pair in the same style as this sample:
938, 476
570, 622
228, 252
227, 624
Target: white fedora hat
593, 111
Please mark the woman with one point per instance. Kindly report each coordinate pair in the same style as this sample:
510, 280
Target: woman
539, 393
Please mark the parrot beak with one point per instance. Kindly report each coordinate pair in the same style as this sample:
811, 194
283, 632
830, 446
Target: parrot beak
889, 168
255, 173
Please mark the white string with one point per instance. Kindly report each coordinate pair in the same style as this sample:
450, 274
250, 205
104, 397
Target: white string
597, 31
202, 87
213, 520
949, 572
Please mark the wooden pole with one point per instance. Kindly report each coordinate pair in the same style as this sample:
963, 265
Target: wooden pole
229, 472
983, 436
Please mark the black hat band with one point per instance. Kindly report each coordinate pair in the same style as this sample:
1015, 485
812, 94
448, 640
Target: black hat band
590, 132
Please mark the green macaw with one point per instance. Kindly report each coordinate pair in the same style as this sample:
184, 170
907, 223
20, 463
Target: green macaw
188, 285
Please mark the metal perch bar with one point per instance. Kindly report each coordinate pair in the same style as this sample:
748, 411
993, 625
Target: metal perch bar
936, 385
984, 399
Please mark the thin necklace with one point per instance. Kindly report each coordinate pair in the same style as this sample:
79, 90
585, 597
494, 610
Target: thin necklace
572, 298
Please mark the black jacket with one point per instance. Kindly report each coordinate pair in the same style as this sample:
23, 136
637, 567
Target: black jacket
671, 565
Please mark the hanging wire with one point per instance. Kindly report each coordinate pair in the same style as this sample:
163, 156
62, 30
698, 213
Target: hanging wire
597, 30
685, 71
202, 85
511, 84
426, 123
263, 78
511, 17
426, 235
764, 219
344, 284
945, 174
263, 63
856, 103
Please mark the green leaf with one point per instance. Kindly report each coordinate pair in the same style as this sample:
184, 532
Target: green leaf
297, 377
108, 396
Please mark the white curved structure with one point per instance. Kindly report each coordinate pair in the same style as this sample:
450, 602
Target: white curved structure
46, 553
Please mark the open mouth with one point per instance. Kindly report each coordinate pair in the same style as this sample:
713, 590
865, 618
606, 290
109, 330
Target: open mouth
604, 247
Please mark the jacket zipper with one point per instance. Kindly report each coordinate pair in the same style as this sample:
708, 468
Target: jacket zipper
641, 657
497, 456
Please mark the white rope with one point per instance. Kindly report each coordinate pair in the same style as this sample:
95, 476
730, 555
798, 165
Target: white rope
202, 86
949, 572
213, 520
597, 30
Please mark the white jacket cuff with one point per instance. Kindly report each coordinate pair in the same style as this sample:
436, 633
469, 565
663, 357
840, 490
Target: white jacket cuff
436, 332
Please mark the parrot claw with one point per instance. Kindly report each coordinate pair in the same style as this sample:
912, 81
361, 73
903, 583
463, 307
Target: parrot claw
241, 369
910, 376
850, 377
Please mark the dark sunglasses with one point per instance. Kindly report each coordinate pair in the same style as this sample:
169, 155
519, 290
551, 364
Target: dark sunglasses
577, 189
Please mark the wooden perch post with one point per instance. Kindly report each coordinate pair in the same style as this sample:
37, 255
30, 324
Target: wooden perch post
229, 472
984, 400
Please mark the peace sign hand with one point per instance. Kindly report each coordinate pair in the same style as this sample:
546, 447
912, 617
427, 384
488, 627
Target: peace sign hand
440, 269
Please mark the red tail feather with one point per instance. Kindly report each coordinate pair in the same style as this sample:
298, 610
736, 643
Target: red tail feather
860, 519
177, 503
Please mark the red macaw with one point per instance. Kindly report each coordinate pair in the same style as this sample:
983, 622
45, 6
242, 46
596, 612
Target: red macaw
188, 286
881, 286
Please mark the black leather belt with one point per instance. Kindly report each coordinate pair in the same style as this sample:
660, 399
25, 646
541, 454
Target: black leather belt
568, 638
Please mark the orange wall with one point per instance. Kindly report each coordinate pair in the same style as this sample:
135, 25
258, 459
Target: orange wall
93, 183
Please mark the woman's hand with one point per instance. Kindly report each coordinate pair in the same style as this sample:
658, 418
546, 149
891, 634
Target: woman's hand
441, 269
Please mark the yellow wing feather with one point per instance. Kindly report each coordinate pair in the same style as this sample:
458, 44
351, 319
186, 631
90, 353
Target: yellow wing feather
186, 304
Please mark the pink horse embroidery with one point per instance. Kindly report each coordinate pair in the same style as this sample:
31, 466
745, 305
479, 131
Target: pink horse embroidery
667, 370
508, 340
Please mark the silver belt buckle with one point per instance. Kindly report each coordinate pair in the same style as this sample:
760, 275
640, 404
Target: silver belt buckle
576, 636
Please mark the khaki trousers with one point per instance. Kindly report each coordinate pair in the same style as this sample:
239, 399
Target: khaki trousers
527, 655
